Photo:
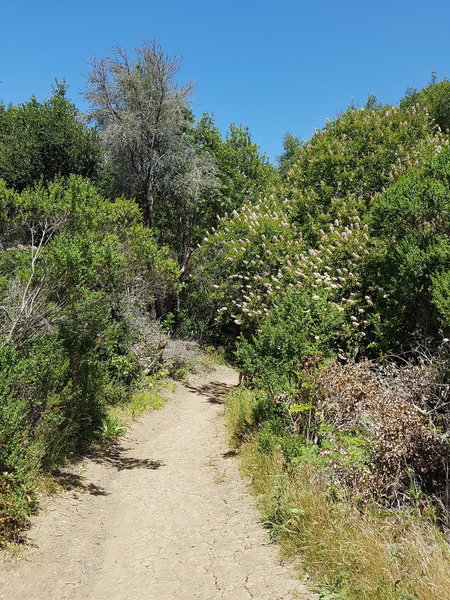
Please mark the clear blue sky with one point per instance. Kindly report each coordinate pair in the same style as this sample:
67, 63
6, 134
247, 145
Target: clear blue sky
275, 66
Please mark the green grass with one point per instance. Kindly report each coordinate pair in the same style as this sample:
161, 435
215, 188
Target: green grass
119, 417
352, 554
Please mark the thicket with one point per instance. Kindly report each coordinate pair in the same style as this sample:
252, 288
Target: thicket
327, 279
332, 293
78, 274
97, 226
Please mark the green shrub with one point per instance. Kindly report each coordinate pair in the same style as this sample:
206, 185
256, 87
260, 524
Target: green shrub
79, 277
412, 222
303, 324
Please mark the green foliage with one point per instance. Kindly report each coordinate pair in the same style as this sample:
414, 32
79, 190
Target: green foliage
301, 325
411, 265
292, 147
144, 399
358, 155
244, 174
317, 234
435, 98
111, 428
79, 278
42, 140
440, 290
240, 412
16, 502
231, 271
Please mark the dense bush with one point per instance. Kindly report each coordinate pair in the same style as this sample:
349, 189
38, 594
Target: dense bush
303, 324
411, 221
79, 277
355, 241
333, 293
42, 140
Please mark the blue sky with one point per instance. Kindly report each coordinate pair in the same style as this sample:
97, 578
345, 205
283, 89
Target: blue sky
276, 66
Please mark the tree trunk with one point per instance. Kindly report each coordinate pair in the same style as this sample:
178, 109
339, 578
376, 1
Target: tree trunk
148, 208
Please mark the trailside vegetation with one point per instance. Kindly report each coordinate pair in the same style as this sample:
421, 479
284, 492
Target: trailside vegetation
98, 223
331, 292
326, 279
78, 276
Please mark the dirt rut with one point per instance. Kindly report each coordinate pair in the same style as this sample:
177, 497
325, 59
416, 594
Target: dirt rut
163, 516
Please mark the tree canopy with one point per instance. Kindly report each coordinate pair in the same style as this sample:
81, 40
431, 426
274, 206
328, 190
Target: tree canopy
143, 115
42, 140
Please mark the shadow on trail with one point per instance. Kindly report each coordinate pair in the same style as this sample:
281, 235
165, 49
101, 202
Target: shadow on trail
214, 391
116, 457
73, 481
229, 454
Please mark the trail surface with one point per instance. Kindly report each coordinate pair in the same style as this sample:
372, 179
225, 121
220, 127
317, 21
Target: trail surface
163, 516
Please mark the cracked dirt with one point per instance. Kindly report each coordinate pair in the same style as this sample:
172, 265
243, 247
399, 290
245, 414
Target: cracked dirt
162, 516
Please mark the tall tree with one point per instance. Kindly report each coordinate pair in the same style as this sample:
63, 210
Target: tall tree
244, 173
144, 118
42, 140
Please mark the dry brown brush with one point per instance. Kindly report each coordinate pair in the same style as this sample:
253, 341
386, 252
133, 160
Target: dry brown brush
400, 411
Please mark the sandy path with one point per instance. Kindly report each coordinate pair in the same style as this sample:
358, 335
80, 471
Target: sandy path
163, 517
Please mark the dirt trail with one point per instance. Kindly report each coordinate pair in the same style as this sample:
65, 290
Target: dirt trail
165, 516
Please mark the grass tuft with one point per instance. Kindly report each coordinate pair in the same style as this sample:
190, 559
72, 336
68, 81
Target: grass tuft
120, 417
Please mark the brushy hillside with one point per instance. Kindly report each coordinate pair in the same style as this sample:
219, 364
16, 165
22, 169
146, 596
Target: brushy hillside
76, 272
326, 279
333, 294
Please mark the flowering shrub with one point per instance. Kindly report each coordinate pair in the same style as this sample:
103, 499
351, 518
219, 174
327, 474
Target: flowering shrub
347, 259
360, 154
317, 232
